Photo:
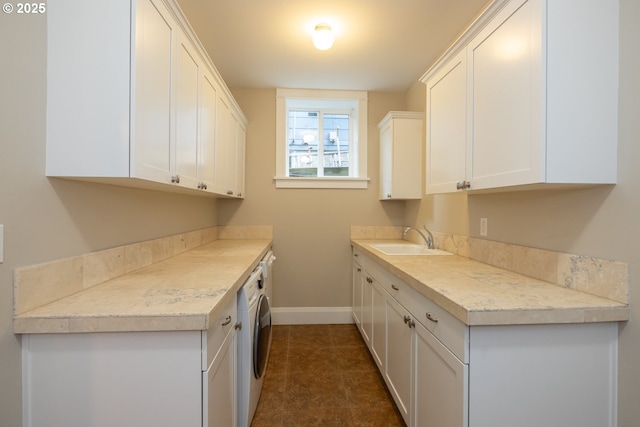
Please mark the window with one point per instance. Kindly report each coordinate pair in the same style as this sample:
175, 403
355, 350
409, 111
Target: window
321, 139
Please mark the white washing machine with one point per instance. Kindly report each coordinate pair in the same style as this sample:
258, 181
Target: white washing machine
254, 338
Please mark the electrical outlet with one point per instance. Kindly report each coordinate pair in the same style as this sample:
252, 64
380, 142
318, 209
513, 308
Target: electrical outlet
483, 227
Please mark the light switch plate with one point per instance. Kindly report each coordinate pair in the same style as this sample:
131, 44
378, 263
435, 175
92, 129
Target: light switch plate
1, 243
483, 227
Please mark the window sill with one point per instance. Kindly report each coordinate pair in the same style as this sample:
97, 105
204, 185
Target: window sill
321, 182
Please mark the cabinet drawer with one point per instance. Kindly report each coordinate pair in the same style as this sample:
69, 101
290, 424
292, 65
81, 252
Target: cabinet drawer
450, 331
358, 257
453, 333
219, 328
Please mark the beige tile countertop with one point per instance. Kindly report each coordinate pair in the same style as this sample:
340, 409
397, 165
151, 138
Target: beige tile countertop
180, 293
480, 294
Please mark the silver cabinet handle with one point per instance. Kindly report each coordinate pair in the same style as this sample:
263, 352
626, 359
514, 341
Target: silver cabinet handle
394, 287
230, 192
431, 317
238, 325
226, 321
409, 321
359, 269
463, 185
175, 179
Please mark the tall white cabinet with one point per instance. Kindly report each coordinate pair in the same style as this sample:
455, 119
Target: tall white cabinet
136, 106
538, 81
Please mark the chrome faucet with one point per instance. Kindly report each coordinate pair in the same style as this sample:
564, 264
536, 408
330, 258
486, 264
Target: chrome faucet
427, 240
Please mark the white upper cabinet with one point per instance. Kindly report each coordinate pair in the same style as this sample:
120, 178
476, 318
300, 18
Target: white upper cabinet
207, 128
135, 102
505, 100
155, 39
230, 150
541, 98
447, 125
241, 146
186, 94
401, 155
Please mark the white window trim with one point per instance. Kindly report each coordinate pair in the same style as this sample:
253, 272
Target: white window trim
281, 179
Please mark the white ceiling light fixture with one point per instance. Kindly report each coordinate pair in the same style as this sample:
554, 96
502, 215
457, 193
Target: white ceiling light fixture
323, 37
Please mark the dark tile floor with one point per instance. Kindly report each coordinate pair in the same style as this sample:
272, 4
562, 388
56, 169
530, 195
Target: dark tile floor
323, 375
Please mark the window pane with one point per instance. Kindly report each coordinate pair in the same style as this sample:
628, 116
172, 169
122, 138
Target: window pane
303, 143
336, 144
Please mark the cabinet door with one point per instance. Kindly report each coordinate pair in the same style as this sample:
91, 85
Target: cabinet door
113, 379
379, 337
447, 126
241, 140
219, 403
207, 136
88, 74
367, 308
506, 99
398, 370
153, 145
440, 384
186, 94
401, 155
357, 295
222, 167
386, 162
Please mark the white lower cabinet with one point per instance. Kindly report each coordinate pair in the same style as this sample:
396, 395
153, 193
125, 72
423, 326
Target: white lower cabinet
379, 319
219, 394
398, 369
362, 301
428, 382
367, 309
442, 372
357, 294
440, 383
159, 379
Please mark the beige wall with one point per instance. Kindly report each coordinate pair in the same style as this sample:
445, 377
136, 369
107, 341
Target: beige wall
310, 227
603, 222
46, 219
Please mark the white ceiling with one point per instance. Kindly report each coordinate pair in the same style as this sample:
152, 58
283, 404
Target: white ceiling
381, 45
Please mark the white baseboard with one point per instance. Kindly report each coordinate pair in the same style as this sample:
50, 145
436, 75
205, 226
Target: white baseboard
310, 315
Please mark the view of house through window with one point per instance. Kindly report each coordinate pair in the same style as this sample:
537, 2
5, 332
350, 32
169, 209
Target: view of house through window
319, 143
321, 139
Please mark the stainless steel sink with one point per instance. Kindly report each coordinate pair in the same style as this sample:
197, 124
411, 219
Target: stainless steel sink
407, 249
